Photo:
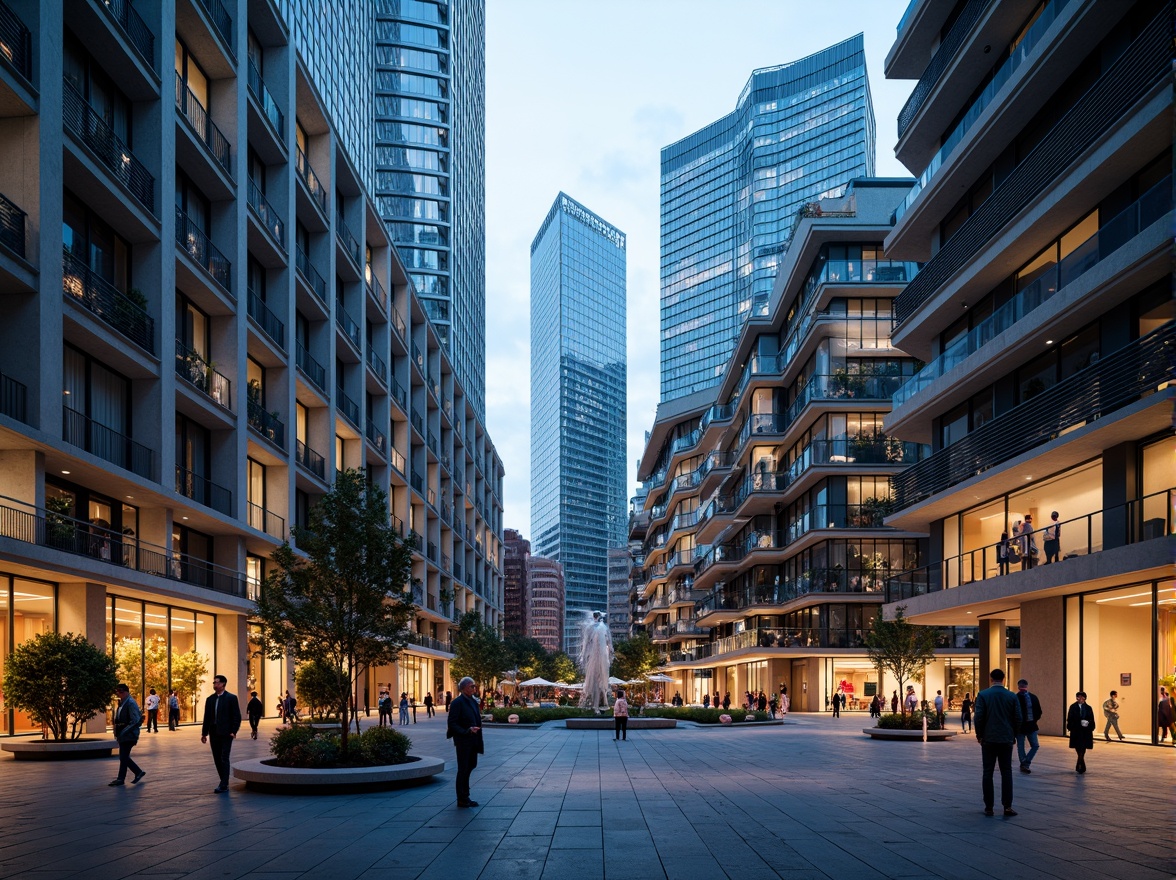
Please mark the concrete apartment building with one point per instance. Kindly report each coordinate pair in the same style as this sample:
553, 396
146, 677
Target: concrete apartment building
546, 601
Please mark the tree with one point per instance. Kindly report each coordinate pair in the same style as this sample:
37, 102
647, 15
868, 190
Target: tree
478, 651
141, 667
345, 599
315, 684
634, 657
60, 681
560, 667
188, 672
900, 647
524, 654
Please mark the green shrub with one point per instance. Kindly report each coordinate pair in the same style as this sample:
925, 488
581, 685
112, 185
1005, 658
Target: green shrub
703, 716
301, 745
914, 721
534, 715
382, 745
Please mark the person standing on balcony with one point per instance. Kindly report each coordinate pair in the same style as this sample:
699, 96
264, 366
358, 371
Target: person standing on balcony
1002, 554
1053, 539
1028, 544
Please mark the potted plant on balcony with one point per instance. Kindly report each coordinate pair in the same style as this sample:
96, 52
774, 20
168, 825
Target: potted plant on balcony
846, 384
872, 511
446, 595
59, 529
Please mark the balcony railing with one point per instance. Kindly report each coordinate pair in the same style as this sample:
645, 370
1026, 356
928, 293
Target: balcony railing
782, 591
377, 364
377, 438
267, 320
1113, 234
1140, 67
398, 323
16, 43
310, 460
347, 407
1132, 372
350, 245
14, 398
265, 521
418, 423
221, 20
376, 288
204, 491
34, 525
1143, 519
191, 367
269, 107
430, 642
203, 126
266, 214
315, 281
133, 26
12, 227
399, 394
267, 424
108, 303
944, 55
106, 443
318, 192
397, 459
91, 130
347, 325
195, 244
314, 371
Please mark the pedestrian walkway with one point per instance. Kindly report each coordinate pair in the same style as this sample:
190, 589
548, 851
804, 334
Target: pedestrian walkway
811, 799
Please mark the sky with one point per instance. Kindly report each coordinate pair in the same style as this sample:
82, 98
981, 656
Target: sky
581, 96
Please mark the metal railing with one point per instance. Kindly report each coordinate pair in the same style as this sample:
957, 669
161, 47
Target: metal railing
376, 288
348, 407
350, 245
784, 590
265, 521
266, 214
269, 107
108, 444
107, 302
315, 281
310, 460
270, 324
133, 26
204, 491
195, 244
430, 642
347, 325
267, 424
16, 43
12, 226
418, 423
399, 394
91, 130
398, 323
318, 192
1143, 519
221, 20
377, 438
14, 398
45, 528
944, 55
397, 459
203, 126
314, 371
1120, 378
378, 366
191, 367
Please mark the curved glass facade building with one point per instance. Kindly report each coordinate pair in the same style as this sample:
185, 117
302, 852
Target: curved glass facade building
578, 402
729, 193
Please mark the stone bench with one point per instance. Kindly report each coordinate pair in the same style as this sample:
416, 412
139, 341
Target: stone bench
47, 750
256, 773
917, 735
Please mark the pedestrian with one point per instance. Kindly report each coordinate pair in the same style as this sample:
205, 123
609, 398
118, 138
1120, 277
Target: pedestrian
726, 700
966, 713
837, 704
1030, 714
1166, 716
762, 703
1110, 709
621, 717
464, 727
1052, 539
785, 703
774, 704
998, 718
1028, 544
367, 709
912, 700
222, 720
894, 702
173, 711
152, 706
254, 710
706, 701
384, 705
127, 721
404, 707
1002, 553
940, 719
429, 713
448, 702
876, 707
1080, 723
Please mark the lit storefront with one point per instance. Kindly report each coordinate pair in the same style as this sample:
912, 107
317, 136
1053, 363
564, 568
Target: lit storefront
27, 609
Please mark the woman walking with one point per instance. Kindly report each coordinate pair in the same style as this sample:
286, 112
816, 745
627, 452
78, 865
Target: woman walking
621, 716
966, 713
1080, 723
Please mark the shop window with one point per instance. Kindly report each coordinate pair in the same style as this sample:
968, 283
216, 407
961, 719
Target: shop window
27, 611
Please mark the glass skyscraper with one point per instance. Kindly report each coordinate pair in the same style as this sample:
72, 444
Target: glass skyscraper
578, 395
729, 193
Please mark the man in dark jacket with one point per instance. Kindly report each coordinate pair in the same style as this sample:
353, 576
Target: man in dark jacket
127, 720
464, 727
222, 720
1030, 714
997, 718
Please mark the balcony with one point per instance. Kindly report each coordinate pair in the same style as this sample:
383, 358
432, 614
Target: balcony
1135, 371
191, 367
376, 438
266, 214
376, 289
782, 591
203, 127
267, 424
399, 394
398, 323
106, 443
108, 303
12, 227
204, 491
397, 459
16, 43
314, 371
424, 641
347, 325
264, 521
221, 20
378, 366
91, 131
44, 528
315, 281
269, 107
348, 408
133, 27
944, 55
347, 240
310, 460
267, 320
318, 192
13, 399
195, 244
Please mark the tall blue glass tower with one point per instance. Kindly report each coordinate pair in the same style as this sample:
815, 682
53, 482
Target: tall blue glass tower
578, 398
729, 193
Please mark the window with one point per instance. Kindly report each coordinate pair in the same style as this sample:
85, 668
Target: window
193, 459
255, 486
191, 75
301, 416
192, 327
256, 171
255, 52
255, 375
94, 392
255, 278
84, 75
192, 202
91, 242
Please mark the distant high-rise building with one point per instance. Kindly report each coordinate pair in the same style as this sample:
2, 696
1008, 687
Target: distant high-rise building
620, 609
731, 190
516, 550
545, 602
578, 379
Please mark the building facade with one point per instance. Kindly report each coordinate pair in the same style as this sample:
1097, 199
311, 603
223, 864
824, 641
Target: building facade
620, 610
730, 191
1043, 217
234, 325
516, 550
578, 402
545, 602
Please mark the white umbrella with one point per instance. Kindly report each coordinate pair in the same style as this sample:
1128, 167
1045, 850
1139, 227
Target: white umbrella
536, 682
614, 681
574, 687
658, 676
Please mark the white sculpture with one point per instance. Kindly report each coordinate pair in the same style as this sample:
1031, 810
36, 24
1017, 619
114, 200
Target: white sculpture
596, 653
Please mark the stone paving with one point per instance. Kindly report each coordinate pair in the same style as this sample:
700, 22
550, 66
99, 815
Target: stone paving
813, 798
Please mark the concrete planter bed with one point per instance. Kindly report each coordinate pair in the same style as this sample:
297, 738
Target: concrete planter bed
259, 774
915, 735
47, 750
608, 724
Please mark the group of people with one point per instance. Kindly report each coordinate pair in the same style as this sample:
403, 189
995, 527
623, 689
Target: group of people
407, 704
1022, 544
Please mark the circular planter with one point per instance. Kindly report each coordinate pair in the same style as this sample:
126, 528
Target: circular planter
260, 775
912, 735
45, 750
609, 724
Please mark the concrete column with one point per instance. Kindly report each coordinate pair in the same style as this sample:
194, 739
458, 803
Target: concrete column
19, 472
232, 653
81, 609
992, 648
1043, 625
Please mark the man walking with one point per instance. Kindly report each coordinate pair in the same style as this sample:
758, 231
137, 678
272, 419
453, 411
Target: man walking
254, 710
1110, 709
429, 713
222, 720
997, 719
1030, 708
173, 711
464, 727
939, 716
127, 720
152, 712
837, 705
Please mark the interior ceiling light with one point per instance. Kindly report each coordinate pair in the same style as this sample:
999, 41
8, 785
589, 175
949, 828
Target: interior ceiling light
66, 473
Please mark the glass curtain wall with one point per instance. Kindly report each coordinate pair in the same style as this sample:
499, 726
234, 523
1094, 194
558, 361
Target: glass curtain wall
27, 609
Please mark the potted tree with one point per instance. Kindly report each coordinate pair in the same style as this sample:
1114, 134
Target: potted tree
903, 649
